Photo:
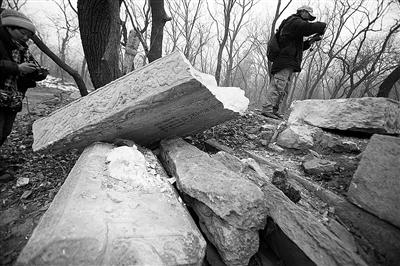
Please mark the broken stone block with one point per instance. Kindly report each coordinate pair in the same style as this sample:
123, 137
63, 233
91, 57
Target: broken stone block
237, 204
310, 235
235, 246
110, 211
165, 98
318, 166
376, 183
368, 114
298, 136
335, 143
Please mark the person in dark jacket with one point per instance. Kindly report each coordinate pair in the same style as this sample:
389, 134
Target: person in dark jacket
17, 71
292, 45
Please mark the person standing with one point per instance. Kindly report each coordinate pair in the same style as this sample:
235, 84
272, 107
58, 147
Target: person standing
291, 43
18, 72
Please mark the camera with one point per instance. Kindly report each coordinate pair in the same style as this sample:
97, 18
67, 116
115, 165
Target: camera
41, 73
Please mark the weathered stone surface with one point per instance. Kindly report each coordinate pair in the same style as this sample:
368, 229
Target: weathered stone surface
379, 237
318, 243
165, 98
132, 218
230, 207
233, 198
376, 183
235, 246
368, 114
297, 136
336, 143
317, 166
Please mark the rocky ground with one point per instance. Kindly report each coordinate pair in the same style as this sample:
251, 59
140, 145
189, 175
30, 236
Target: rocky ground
38, 176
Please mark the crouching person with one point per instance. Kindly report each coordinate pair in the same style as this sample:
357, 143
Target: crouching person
18, 69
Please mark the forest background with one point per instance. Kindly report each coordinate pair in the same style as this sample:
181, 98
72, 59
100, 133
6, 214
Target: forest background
228, 39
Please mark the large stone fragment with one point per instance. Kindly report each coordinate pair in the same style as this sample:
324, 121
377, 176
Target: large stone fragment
317, 242
237, 205
235, 246
376, 183
369, 114
165, 98
298, 136
376, 236
115, 208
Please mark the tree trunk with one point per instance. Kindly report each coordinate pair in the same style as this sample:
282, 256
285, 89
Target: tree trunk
99, 25
159, 17
78, 79
388, 83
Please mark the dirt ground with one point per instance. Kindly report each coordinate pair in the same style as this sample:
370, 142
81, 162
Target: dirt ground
23, 205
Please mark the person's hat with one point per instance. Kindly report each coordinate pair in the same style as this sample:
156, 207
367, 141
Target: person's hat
11, 17
308, 9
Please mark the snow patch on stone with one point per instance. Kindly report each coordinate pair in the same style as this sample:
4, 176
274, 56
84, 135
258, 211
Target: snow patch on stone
126, 163
232, 98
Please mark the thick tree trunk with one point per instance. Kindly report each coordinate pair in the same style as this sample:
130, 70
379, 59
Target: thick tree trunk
159, 17
99, 26
78, 79
388, 83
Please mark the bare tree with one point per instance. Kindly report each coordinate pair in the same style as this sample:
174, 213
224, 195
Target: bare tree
159, 18
15, 4
186, 32
232, 47
99, 26
66, 28
344, 37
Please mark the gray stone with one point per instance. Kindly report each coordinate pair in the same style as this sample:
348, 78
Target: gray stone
368, 114
297, 136
336, 143
318, 166
233, 198
165, 98
112, 210
235, 246
318, 243
376, 183
230, 207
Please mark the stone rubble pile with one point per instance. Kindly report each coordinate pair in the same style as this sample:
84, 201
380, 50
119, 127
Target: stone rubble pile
118, 207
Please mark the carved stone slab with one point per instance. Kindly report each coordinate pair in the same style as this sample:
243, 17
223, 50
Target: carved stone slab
368, 114
115, 210
165, 98
376, 183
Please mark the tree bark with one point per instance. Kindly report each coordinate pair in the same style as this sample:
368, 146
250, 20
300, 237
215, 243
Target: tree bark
159, 17
388, 83
99, 26
78, 79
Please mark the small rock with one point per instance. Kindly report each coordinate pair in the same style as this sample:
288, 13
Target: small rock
26, 194
251, 136
22, 181
268, 127
319, 166
266, 135
275, 147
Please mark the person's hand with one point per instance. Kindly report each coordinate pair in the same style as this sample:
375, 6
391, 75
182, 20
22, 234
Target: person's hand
26, 68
